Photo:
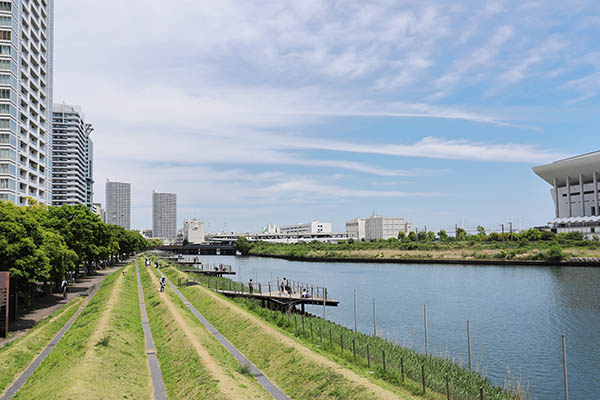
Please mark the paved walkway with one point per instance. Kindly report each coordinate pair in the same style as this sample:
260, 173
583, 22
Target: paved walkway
155, 374
16, 385
50, 303
260, 377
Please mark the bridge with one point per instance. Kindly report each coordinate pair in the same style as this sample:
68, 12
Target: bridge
204, 249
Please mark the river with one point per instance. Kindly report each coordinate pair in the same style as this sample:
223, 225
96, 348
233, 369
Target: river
518, 314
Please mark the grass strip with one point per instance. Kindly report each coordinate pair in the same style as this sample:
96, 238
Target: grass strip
16, 356
184, 374
108, 368
296, 374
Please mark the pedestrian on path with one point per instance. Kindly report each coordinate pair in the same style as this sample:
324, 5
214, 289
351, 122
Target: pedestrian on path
63, 288
163, 283
251, 286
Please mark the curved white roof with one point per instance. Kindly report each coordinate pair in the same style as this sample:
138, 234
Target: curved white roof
585, 164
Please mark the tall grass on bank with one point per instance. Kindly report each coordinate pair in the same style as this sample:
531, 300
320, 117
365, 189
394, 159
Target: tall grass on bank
363, 350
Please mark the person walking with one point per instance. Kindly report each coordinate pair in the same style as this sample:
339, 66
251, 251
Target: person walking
63, 288
251, 286
163, 283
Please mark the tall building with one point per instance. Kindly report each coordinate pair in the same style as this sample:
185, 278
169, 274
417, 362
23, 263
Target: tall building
118, 204
164, 215
311, 227
574, 192
193, 231
72, 157
99, 211
378, 227
26, 57
356, 229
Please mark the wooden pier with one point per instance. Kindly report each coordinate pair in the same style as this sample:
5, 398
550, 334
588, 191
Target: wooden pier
270, 292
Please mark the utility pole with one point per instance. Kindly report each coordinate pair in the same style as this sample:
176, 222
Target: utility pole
456, 230
510, 230
503, 232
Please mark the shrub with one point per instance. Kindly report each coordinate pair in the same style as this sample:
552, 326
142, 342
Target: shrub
555, 253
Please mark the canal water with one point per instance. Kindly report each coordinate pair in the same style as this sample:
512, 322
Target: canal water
517, 314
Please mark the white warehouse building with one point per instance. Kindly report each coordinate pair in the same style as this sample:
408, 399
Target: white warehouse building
193, 231
574, 192
356, 229
311, 227
378, 227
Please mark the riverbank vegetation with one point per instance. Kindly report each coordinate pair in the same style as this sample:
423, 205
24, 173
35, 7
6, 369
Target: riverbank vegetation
529, 245
362, 352
40, 243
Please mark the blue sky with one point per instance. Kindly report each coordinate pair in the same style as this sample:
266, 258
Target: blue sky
258, 112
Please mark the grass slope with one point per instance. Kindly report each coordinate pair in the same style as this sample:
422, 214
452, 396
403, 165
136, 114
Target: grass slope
114, 367
297, 375
183, 372
16, 356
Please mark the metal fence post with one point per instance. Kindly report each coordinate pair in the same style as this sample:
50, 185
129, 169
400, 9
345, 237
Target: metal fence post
469, 343
447, 388
423, 376
383, 359
368, 356
342, 343
354, 348
402, 368
425, 324
355, 318
374, 319
564, 354
480, 392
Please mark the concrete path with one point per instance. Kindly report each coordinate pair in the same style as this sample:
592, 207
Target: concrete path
260, 377
156, 375
16, 385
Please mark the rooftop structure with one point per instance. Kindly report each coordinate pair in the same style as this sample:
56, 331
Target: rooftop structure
307, 228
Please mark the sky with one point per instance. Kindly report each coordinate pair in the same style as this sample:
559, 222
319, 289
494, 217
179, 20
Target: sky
268, 112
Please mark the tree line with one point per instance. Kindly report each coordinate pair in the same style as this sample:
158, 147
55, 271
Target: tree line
40, 243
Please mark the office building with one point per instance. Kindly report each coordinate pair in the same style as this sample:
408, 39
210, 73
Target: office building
311, 227
356, 229
118, 204
193, 231
378, 227
72, 157
26, 57
99, 211
164, 215
574, 193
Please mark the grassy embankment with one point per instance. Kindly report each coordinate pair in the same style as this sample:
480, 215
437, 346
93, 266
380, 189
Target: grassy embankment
297, 370
556, 249
102, 356
328, 338
16, 356
193, 362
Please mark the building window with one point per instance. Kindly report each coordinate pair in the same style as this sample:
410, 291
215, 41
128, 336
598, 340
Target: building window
5, 50
5, 6
4, 35
593, 210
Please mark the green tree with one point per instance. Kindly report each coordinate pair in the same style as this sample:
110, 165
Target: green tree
555, 253
60, 257
422, 236
481, 232
461, 234
401, 236
242, 245
443, 235
21, 253
431, 236
412, 236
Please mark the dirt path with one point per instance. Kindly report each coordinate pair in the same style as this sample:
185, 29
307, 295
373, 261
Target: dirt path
377, 391
228, 384
90, 359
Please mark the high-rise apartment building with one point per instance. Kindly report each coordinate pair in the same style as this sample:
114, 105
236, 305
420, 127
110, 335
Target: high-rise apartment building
118, 204
164, 215
378, 227
26, 56
72, 157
